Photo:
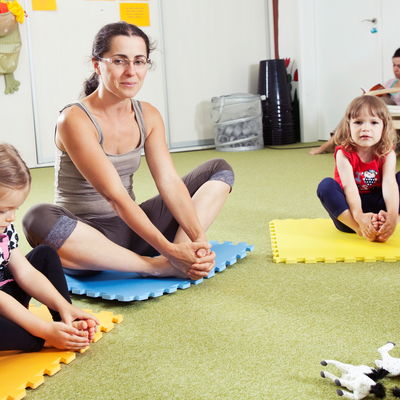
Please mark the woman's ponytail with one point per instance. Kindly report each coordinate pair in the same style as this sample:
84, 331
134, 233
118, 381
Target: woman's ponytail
91, 84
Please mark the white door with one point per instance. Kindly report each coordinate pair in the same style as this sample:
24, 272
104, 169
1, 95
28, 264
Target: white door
349, 57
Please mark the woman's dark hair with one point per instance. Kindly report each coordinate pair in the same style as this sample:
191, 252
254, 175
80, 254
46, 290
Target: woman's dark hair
396, 53
102, 43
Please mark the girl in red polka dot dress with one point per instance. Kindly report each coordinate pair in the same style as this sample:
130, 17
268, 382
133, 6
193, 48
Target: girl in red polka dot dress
363, 196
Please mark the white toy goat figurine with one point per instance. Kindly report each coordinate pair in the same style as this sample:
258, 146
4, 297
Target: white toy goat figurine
360, 379
389, 363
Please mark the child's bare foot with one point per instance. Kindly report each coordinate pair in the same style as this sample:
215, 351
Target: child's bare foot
376, 222
81, 325
92, 329
382, 216
89, 327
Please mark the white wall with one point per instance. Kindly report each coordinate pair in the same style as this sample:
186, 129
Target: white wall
206, 48
16, 115
297, 41
212, 48
336, 54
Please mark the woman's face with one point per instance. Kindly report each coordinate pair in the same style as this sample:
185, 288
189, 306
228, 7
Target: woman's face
396, 67
123, 68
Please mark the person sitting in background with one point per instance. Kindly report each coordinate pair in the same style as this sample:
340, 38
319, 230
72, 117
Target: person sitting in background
389, 98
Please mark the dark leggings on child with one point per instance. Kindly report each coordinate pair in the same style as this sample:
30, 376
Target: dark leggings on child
334, 200
12, 336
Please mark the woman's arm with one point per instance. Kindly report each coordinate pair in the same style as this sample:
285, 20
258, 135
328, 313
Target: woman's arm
353, 198
169, 183
39, 287
78, 137
390, 192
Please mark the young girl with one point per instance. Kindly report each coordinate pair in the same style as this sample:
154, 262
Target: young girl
39, 275
364, 195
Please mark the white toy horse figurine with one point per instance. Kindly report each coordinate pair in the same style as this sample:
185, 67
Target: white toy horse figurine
357, 378
389, 363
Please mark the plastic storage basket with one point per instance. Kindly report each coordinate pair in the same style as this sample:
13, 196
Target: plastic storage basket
237, 122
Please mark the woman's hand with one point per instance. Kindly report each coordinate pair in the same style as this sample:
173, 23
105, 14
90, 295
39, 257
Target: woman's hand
194, 259
71, 313
65, 337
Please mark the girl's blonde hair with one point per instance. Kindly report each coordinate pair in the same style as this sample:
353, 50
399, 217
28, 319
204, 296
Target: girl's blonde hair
375, 107
14, 173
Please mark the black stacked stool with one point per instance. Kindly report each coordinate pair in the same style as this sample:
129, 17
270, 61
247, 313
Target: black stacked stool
278, 121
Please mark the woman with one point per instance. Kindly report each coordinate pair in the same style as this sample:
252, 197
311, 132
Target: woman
391, 99
96, 223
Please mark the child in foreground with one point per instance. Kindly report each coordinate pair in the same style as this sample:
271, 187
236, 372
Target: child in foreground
39, 275
363, 197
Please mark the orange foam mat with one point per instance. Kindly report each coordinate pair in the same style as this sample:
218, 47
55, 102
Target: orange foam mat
21, 370
317, 240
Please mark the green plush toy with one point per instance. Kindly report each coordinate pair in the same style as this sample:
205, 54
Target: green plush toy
10, 46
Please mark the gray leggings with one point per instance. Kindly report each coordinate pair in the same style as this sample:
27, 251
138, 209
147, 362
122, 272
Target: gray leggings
52, 225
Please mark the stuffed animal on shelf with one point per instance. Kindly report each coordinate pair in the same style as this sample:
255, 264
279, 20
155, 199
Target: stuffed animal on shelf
11, 13
360, 379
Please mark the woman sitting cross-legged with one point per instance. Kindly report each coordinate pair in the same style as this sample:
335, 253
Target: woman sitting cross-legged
96, 224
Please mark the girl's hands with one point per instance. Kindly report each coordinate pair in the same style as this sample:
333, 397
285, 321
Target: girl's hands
194, 259
65, 337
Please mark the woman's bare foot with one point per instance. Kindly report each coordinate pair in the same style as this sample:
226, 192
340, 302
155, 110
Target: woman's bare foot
162, 268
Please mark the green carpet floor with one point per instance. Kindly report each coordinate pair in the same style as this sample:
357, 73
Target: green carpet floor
257, 330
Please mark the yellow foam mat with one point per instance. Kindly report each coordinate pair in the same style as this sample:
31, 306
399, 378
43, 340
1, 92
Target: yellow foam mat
21, 370
317, 240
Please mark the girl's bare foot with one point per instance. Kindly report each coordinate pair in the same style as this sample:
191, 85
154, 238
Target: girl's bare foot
376, 222
381, 218
81, 325
91, 329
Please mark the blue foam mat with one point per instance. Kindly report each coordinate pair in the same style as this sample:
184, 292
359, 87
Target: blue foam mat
129, 286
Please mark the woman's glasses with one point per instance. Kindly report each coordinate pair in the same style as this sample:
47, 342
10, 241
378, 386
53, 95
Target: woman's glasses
139, 63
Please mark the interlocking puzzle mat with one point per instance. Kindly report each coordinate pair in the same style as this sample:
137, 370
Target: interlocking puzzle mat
21, 370
317, 240
123, 286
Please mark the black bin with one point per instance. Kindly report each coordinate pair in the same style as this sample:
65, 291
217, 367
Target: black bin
278, 120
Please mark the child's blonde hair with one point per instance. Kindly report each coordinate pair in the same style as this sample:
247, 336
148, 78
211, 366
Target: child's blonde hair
375, 107
14, 173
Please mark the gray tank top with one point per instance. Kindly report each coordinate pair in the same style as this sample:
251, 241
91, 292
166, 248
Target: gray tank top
75, 193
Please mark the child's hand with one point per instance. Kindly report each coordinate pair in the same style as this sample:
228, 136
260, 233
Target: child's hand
65, 337
388, 226
366, 223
